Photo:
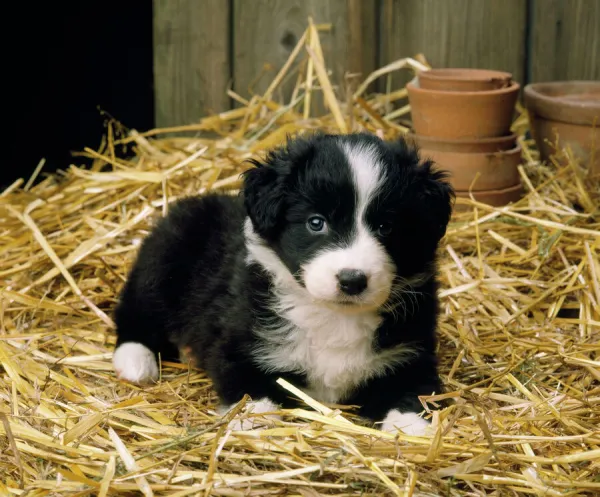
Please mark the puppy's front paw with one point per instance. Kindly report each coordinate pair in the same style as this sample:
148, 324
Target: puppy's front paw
409, 423
135, 363
244, 423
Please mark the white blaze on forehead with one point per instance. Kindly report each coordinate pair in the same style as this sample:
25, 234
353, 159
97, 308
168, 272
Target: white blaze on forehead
367, 173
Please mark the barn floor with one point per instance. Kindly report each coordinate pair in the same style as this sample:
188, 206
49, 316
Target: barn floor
519, 337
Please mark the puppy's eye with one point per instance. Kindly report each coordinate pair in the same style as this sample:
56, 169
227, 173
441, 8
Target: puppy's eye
316, 224
384, 229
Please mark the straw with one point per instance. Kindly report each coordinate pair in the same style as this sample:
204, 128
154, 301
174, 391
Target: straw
519, 330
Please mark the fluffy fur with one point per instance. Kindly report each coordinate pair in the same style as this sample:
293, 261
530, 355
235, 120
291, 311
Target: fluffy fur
321, 272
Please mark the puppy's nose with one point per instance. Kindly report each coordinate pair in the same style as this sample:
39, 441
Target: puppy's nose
352, 281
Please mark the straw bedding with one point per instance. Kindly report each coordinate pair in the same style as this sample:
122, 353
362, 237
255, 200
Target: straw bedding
519, 334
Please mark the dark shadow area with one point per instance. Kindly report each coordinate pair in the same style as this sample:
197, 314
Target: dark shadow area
64, 63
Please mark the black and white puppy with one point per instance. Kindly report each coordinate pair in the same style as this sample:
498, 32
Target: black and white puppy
322, 272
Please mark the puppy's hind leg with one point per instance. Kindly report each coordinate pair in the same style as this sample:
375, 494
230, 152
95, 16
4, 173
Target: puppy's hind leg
136, 363
141, 340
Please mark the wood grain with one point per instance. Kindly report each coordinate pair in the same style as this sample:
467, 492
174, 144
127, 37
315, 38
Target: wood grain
565, 40
200, 47
456, 33
191, 59
266, 31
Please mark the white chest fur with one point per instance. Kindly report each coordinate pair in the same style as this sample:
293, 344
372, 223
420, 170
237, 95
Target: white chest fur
334, 349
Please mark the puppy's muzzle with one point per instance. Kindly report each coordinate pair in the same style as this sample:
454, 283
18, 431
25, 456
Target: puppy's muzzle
352, 281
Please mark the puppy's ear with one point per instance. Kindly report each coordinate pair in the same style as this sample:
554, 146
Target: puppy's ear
433, 194
436, 195
264, 195
266, 185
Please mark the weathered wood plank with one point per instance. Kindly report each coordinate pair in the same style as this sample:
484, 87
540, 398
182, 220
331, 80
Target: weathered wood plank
266, 31
363, 35
191, 59
565, 40
456, 33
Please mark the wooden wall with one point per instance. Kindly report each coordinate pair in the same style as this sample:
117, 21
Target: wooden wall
565, 40
192, 59
203, 47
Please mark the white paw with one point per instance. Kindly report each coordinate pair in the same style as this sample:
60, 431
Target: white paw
244, 423
135, 363
409, 423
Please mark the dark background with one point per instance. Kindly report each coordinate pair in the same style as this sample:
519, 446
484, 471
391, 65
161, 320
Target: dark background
63, 63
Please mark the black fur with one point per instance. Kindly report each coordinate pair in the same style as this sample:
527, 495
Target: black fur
191, 286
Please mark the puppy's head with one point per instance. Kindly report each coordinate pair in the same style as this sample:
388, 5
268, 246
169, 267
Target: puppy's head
347, 218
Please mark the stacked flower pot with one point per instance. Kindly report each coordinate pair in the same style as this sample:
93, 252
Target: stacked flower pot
566, 115
461, 120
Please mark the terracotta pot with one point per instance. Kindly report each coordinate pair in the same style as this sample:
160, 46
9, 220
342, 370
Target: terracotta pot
495, 198
462, 114
496, 170
480, 145
571, 110
464, 79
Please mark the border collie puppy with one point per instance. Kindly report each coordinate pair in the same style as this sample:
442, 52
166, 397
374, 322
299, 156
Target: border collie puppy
322, 272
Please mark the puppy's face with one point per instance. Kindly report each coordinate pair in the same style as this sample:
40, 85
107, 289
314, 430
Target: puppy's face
351, 218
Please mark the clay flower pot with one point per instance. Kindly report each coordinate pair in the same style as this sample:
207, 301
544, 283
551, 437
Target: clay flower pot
462, 114
570, 109
497, 170
495, 198
464, 146
464, 80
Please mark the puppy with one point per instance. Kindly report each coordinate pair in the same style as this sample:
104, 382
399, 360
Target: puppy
322, 272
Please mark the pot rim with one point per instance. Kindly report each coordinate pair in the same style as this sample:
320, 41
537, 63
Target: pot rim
512, 151
512, 88
561, 108
463, 141
465, 74
508, 189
